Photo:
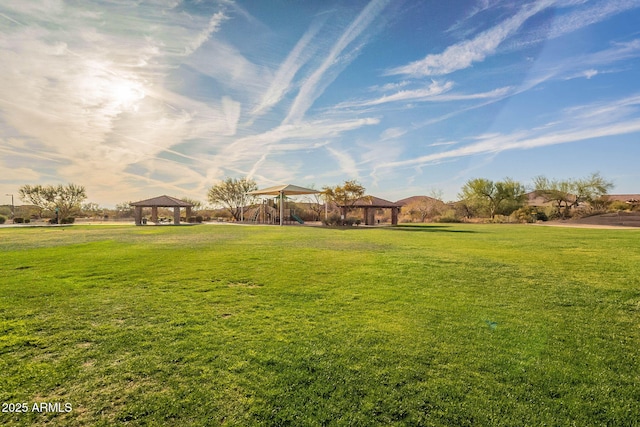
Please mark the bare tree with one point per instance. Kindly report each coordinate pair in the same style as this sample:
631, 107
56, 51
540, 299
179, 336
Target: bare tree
424, 207
315, 202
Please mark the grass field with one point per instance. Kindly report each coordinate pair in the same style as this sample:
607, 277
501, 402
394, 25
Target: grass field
222, 325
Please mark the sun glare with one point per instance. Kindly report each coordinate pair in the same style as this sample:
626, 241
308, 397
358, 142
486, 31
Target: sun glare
126, 94
112, 94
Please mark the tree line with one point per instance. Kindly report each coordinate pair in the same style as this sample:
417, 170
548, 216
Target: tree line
483, 197
478, 197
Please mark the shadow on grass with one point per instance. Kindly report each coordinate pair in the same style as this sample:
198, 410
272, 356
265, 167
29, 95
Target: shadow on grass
429, 229
413, 228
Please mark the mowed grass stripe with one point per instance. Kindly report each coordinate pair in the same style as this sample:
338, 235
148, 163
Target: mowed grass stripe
224, 325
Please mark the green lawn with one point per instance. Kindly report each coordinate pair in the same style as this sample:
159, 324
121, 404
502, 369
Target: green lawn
444, 325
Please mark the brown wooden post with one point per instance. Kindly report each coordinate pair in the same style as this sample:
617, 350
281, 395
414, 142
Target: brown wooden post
176, 215
394, 216
138, 215
366, 216
154, 214
188, 213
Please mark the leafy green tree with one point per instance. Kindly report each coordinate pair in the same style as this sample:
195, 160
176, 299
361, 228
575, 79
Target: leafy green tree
493, 197
345, 195
569, 193
231, 194
60, 199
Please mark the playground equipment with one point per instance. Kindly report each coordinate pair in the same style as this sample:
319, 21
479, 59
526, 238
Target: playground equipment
268, 212
281, 191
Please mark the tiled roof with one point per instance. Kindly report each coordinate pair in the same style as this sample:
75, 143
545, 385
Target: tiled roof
162, 201
373, 202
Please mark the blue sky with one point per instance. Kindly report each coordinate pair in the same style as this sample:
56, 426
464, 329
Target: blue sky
137, 99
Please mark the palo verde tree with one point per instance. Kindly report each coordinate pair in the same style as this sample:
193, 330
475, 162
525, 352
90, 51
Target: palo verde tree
569, 193
493, 197
231, 194
345, 195
60, 199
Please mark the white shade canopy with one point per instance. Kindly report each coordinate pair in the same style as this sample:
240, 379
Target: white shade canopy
286, 189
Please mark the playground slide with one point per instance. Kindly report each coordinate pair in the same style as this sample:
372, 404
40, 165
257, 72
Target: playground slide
297, 218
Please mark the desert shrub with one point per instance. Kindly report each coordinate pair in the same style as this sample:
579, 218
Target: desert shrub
450, 216
449, 219
529, 214
553, 214
333, 219
69, 220
619, 205
27, 220
199, 218
336, 220
499, 219
541, 215
353, 221
18, 220
3, 219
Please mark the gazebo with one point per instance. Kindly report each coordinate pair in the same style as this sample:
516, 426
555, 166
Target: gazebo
369, 204
161, 202
281, 191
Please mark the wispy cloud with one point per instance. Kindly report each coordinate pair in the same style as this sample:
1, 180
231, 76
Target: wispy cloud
436, 92
314, 85
346, 162
214, 24
427, 93
581, 130
105, 99
591, 13
464, 54
129, 98
281, 82
309, 131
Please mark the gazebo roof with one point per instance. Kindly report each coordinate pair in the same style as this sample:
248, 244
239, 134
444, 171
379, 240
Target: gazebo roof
286, 189
162, 201
373, 202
